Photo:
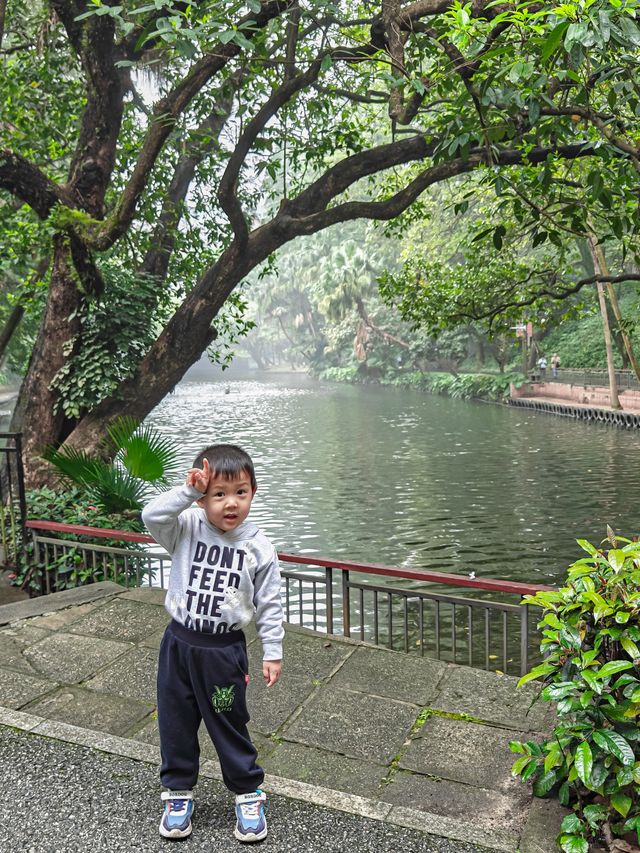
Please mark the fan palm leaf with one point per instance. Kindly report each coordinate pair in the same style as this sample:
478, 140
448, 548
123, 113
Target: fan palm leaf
144, 452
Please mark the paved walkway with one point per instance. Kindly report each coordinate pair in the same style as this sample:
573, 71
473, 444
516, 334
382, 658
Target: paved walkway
365, 749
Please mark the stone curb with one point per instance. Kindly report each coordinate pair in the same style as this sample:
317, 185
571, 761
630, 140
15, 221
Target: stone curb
17, 610
426, 822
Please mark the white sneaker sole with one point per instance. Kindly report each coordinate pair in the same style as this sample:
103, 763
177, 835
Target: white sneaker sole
250, 838
174, 833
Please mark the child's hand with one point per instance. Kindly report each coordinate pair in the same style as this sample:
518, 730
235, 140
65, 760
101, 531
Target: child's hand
271, 670
199, 477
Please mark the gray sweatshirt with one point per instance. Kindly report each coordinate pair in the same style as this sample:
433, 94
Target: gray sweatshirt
219, 580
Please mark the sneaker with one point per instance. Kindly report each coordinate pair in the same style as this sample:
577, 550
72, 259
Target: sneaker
251, 824
176, 818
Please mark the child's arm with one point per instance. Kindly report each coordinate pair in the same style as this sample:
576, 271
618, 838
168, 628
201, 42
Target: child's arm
269, 618
162, 514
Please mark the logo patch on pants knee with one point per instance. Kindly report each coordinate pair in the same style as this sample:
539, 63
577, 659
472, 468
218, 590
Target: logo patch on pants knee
222, 698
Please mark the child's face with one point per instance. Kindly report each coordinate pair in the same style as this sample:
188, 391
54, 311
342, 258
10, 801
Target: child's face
227, 501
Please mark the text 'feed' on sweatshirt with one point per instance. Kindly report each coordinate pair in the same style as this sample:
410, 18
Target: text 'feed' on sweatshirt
219, 579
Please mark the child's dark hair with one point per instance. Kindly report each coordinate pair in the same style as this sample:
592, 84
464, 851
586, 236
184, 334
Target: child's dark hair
227, 461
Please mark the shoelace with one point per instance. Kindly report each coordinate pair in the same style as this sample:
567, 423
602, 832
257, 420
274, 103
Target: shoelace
177, 805
250, 809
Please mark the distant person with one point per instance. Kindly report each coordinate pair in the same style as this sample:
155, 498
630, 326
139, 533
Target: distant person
542, 365
224, 571
555, 364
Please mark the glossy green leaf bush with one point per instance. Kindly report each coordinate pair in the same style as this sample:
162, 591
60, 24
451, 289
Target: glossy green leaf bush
591, 670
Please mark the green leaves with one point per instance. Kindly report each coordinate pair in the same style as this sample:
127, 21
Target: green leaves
611, 668
584, 762
573, 844
553, 40
143, 456
588, 673
613, 743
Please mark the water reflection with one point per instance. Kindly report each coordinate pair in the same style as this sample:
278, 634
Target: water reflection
398, 477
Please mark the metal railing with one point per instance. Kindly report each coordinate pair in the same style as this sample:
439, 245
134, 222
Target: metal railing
13, 507
416, 614
625, 379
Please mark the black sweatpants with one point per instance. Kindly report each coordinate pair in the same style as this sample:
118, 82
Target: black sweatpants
204, 677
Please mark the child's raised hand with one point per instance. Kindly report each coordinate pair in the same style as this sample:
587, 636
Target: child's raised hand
199, 477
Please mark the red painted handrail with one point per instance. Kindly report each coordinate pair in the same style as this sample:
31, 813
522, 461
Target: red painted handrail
489, 584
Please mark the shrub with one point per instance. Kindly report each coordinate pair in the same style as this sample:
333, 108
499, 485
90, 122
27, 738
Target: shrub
69, 568
590, 635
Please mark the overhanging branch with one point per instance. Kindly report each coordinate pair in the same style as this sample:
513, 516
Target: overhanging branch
227, 188
165, 115
313, 217
26, 182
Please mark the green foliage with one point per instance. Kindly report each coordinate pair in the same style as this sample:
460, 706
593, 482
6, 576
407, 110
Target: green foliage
478, 87
71, 568
591, 671
465, 386
580, 341
339, 374
117, 331
143, 457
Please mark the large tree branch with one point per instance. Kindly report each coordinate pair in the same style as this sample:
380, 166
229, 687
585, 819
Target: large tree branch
227, 189
414, 12
94, 158
26, 182
165, 116
345, 173
3, 13
309, 206
156, 261
602, 122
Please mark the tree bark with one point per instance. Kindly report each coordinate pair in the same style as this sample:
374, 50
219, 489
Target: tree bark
37, 414
613, 385
615, 305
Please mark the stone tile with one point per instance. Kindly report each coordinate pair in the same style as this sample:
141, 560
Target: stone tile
324, 768
393, 674
543, 826
19, 610
85, 709
18, 688
482, 807
14, 641
62, 618
354, 724
270, 708
122, 620
67, 658
153, 640
310, 657
463, 752
147, 595
493, 698
132, 675
264, 745
18, 719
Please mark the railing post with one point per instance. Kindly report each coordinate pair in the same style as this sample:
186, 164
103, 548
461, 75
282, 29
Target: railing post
346, 605
524, 639
328, 574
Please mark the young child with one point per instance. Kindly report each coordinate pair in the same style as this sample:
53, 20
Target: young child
223, 572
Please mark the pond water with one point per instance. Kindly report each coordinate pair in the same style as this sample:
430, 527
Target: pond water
411, 479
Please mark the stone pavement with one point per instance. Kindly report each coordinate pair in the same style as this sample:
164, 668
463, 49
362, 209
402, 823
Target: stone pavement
383, 736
